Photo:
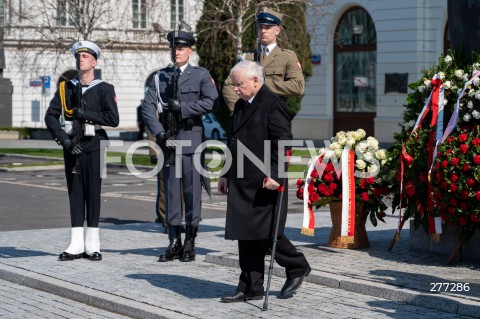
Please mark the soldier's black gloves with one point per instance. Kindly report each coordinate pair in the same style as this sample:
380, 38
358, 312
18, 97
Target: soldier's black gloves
167, 139
79, 113
174, 106
72, 147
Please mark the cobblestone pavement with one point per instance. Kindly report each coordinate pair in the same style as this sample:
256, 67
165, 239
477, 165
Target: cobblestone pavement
365, 283
19, 301
368, 283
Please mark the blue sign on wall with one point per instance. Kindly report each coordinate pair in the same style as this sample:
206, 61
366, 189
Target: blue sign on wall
46, 84
46, 81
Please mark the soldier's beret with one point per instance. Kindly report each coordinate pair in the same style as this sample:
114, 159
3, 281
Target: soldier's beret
269, 17
181, 38
86, 46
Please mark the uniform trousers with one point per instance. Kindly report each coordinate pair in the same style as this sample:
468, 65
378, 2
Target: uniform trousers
160, 202
84, 189
251, 255
189, 184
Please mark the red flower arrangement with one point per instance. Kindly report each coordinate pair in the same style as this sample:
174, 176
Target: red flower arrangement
326, 185
456, 180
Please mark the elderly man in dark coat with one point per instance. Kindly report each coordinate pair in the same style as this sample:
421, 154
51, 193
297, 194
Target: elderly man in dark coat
258, 116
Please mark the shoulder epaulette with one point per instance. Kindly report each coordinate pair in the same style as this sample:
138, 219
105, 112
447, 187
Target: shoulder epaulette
288, 51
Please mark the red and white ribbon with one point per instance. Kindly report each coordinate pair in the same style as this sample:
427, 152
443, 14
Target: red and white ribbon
348, 192
308, 226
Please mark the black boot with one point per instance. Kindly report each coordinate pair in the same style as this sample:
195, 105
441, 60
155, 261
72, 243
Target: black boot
189, 245
175, 249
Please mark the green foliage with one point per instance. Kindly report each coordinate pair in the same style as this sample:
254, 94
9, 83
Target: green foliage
217, 50
455, 75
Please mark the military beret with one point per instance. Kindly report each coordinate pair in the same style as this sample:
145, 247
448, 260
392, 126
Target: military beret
86, 46
269, 17
181, 38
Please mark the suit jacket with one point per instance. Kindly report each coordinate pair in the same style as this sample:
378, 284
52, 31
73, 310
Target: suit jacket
100, 105
283, 75
250, 207
197, 94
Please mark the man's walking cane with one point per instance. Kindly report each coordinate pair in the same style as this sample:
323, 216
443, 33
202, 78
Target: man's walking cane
274, 246
280, 189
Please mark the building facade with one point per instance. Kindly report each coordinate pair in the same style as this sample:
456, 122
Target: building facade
131, 34
365, 54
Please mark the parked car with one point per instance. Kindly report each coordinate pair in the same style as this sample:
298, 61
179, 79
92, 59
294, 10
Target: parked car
213, 129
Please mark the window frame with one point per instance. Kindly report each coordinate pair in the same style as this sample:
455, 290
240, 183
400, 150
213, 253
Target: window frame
173, 12
139, 14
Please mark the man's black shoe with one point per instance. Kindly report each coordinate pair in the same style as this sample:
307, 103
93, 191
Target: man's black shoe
240, 296
292, 285
93, 256
67, 257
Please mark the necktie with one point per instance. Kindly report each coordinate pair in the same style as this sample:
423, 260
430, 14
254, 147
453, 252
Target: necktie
265, 52
179, 71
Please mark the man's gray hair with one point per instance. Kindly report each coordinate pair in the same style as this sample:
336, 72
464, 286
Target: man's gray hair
250, 70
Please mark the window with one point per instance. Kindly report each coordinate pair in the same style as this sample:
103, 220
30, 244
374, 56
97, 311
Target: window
176, 6
139, 10
68, 12
355, 62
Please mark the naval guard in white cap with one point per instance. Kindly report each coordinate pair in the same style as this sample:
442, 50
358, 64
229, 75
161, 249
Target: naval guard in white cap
90, 104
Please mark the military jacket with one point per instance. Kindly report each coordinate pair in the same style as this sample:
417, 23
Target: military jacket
283, 75
100, 105
197, 94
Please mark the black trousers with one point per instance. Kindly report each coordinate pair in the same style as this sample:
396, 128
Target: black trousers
84, 188
252, 262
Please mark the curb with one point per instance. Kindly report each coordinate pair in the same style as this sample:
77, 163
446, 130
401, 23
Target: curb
86, 295
445, 303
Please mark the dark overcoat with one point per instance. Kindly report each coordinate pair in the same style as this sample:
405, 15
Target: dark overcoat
250, 207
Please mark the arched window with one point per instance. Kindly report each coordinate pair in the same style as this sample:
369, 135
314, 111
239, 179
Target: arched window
355, 63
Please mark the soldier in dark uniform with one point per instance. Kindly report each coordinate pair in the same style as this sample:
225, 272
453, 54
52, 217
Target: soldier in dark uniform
197, 95
99, 108
283, 73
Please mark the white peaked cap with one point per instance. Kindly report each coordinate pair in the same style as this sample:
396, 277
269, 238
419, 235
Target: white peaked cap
86, 46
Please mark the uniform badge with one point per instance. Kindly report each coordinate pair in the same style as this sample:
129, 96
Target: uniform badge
298, 64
